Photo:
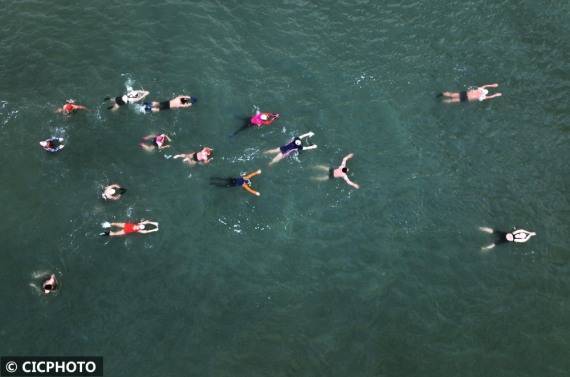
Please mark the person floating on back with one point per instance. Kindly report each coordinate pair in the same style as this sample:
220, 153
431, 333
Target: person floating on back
203, 157
159, 142
70, 107
180, 102
518, 236
131, 97
244, 182
259, 119
143, 227
470, 95
53, 144
295, 145
339, 172
113, 192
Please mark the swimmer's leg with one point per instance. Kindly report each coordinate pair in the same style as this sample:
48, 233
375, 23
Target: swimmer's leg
272, 151
322, 167
276, 159
146, 147
487, 248
220, 181
486, 229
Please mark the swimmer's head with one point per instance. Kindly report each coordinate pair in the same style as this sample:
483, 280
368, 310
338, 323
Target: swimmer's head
264, 117
510, 237
141, 226
298, 142
345, 170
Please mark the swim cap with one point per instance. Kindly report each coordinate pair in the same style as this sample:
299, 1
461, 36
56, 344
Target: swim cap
159, 140
264, 117
141, 226
298, 142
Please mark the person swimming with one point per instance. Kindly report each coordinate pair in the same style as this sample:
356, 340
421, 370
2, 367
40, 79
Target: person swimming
203, 157
113, 192
50, 285
70, 107
295, 145
133, 96
518, 236
259, 119
470, 95
159, 142
180, 102
339, 172
243, 181
53, 144
143, 227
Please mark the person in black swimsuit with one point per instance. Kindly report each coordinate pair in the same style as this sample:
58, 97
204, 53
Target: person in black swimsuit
203, 157
180, 102
518, 236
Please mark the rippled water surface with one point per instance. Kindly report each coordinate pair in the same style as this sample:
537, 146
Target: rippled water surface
311, 278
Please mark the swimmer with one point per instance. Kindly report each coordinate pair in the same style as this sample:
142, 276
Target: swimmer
244, 181
180, 102
132, 96
295, 145
518, 236
50, 285
113, 192
203, 157
470, 95
70, 107
340, 172
128, 228
158, 141
259, 119
53, 144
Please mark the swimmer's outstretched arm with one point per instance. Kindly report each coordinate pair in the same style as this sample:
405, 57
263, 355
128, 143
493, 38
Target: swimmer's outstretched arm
314, 146
145, 231
526, 233
148, 137
347, 180
345, 159
250, 190
308, 134
490, 86
493, 96
252, 174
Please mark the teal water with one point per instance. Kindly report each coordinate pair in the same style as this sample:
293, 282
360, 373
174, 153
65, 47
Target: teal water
309, 279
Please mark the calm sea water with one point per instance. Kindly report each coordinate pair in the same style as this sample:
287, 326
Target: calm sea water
310, 279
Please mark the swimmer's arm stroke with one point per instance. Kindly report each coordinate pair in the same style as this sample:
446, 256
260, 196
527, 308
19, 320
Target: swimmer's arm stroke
347, 180
253, 174
250, 190
313, 146
308, 134
493, 96
345, 159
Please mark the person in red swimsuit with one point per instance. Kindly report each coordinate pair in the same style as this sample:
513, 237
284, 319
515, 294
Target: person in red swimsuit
70, 107
142, 227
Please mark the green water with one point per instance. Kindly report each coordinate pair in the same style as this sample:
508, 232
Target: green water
310, 279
